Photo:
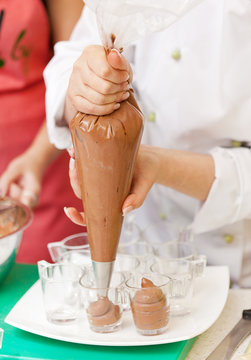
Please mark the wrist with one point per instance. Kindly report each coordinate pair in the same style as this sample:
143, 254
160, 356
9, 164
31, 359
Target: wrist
40, 157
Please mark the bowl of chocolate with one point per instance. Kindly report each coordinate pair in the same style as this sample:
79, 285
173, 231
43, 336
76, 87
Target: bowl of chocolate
14, 218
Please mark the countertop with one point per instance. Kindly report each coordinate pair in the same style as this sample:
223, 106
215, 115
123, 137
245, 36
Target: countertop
238, 300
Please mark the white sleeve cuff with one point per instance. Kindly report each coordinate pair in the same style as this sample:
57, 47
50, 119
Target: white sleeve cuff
229, 199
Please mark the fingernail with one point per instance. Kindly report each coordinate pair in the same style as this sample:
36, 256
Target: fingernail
71, 152
125, 96
117, 106
71, 164
127, 210
66, 212
115, 50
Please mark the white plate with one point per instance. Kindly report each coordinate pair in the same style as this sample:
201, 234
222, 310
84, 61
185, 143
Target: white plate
209, 299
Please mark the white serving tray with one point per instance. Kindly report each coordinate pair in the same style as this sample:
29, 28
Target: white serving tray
209, 299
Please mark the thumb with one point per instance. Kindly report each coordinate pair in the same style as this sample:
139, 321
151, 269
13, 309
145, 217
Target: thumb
119, 62
136, 197
31, 188
6, 179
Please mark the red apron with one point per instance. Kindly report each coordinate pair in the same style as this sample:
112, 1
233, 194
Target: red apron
24, 53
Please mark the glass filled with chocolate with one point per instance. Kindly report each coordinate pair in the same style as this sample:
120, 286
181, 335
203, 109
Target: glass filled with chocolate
104, 306
149, 300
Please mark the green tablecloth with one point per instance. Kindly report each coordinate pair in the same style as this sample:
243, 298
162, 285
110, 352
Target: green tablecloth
19, 344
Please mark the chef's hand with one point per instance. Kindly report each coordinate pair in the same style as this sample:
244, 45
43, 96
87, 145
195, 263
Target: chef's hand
98, 83
22, 180
72, 213
145, 175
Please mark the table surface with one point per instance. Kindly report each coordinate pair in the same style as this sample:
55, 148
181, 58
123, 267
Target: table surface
18, 344
237, 301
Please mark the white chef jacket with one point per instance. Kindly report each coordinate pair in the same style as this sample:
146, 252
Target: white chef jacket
193, 82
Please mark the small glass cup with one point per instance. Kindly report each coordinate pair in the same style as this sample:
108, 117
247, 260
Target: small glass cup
176, 250
61, 291
74, 242
162, 231
130, 230
149, 305
142, 251
126, 264
181, 273
183, 250
81, 258
103, 305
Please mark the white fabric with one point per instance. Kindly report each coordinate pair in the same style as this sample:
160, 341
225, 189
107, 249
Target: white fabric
201, 103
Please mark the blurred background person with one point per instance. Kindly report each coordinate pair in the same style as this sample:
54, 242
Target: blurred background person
31, 169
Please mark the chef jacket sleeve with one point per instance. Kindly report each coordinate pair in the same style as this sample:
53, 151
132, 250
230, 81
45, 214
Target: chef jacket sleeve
57, 75
229, 199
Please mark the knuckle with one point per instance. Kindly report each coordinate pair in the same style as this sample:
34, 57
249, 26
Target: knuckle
91, 108
79, 65
106, 88
123, 76
105, 71
108, 109
100, 99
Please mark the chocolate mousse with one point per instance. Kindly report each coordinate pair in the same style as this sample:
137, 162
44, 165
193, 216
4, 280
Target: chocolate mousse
149, 307
106, 149
103, 312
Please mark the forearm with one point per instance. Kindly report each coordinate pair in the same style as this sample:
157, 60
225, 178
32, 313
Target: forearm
63, 15
190, 173
41, 150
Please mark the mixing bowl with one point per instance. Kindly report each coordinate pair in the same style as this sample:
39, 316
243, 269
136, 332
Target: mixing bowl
14, 218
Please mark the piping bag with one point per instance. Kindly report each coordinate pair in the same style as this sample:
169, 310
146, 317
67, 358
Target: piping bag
106, 146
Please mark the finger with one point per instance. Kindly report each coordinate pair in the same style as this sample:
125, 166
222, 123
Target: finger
29, 198
99, 84
31, 188
15, 191
119, 62
100, 99
99, 64
74, 178
7, 178
71, 152
75, 216
85, 106
137, 196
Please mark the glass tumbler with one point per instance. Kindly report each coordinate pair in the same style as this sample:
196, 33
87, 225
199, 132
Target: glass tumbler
81, 258
149, 300
74, 242
61, 291
104, 306
142, 251
183, 250
181, 273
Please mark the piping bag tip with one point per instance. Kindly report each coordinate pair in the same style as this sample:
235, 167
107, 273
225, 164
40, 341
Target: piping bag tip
102, 273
